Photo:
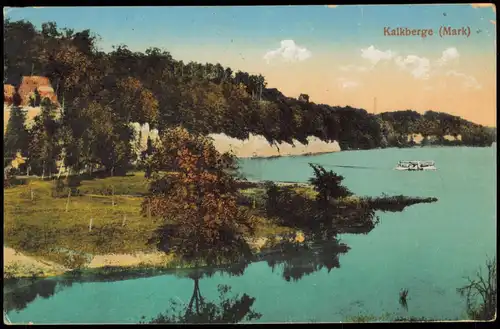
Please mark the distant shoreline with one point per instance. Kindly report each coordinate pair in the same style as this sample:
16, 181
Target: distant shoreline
291, 155
257, 147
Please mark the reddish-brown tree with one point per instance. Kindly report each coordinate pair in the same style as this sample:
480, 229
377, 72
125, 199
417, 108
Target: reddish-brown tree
197, 198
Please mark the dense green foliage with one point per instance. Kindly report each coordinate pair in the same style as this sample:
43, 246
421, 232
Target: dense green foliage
103, 92
44, 147
328, 185
437, 124
16, 136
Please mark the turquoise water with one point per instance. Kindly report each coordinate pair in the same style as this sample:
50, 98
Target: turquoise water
427, 248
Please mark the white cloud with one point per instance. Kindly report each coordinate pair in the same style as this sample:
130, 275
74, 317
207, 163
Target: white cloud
418, 66
347, 84
289, 51
375, 55
449, 55
468, 81
355, 68
484, 5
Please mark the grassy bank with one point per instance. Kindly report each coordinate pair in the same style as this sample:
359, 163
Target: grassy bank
99, 224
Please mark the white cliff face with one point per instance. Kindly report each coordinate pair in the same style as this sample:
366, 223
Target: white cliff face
141, 134
257, 145
418, 138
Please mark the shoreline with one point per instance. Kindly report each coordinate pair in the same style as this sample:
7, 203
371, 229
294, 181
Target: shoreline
17, 265
256, 146
258, 157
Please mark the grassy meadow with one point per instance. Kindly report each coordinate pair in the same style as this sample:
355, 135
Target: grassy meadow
102, 217
93, 222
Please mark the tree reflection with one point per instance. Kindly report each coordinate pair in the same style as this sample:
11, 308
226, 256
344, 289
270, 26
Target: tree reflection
223, 257
320, 221
18, 299
228, 309
403, 295
299, 259
19, 293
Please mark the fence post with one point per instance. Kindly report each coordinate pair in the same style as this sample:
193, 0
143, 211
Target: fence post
67, 202
124, 219
90, 224
149, 209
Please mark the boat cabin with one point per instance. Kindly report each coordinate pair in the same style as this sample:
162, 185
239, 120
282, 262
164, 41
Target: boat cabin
416, 165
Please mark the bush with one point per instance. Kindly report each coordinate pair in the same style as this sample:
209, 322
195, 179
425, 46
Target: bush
328, 184
481, 293
70, 258
10, 180
58, 189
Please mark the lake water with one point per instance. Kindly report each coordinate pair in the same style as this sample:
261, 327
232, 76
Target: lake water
427, 248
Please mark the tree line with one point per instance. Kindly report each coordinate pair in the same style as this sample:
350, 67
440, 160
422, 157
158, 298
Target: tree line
104, 92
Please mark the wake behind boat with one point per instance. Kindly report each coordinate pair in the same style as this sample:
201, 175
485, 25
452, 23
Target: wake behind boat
416, 165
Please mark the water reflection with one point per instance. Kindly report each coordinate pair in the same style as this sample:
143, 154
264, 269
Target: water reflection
228, 309
296, 260
403, 294
19, 293
320, 220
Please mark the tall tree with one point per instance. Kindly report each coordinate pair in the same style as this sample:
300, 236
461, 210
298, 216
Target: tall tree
200, 199
44, 148
16, 135
328, 184
66, 67
109, 138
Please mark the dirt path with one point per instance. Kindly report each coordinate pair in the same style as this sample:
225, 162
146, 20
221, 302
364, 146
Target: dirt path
17, 264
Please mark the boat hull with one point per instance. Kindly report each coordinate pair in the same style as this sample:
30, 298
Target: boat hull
419, 169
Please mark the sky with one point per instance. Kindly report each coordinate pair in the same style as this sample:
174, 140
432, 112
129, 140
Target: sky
336, 54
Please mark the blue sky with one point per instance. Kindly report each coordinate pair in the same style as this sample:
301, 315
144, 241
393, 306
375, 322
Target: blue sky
140, 27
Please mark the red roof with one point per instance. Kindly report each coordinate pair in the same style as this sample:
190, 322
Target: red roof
30, 84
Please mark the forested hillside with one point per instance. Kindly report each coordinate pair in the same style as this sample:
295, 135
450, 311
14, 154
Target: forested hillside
103, 93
